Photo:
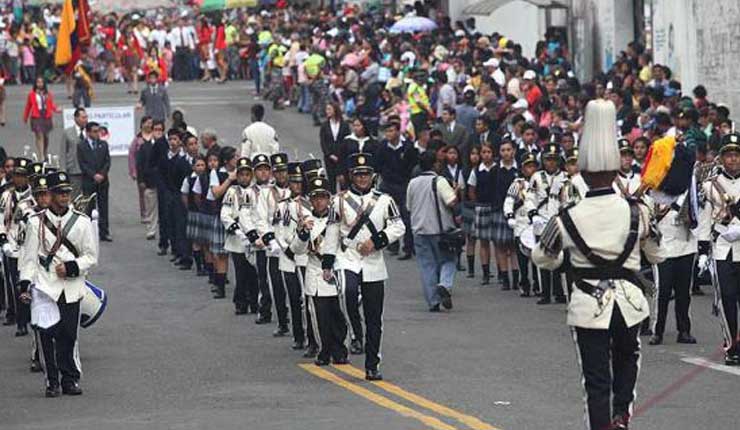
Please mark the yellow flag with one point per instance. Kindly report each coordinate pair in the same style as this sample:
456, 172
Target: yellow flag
63, 54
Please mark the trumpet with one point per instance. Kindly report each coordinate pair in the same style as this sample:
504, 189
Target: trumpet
82, 202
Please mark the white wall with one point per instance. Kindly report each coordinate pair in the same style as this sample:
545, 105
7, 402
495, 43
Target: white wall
518, 20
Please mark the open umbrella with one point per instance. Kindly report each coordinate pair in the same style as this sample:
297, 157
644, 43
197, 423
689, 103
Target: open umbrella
413, 24
210, 5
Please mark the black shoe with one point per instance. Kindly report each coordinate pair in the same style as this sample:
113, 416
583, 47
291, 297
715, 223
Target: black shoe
444, 293
543, 301
341, 361
696, 291
263, 320
240, 310
22, 331
53, 391
732, 359
560, 300
525, 294
185, 266
656, 340
646, 331
405, 257
322, 362
281, 332
9, 320
311, 351
36, 366
620, 423
106, 238
297, 346
162, 252
470, 275
175, 259
71, 389
373, 375
434, 308
486, 280
219, 294
686, 338
355, 348
213, 288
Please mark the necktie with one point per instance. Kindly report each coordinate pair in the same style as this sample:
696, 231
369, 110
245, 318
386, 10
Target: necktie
182, 37
82, 135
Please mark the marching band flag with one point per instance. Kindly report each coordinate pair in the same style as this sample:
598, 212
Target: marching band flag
67, 39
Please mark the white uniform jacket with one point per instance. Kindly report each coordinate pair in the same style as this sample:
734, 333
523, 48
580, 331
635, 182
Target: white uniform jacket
15, 208
40, 241
290, 211
237, 199
313, 244
573, 189
716, 220
626, 184
267, 198
677, 238
543, 196
514, 205
387, 227
259, 138
602, 219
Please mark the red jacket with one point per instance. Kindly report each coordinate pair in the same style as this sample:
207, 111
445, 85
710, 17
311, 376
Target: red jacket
32, 107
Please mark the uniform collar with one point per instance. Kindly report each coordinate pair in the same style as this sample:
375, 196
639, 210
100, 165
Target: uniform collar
483, 168
728, 176
354, 190
598, 192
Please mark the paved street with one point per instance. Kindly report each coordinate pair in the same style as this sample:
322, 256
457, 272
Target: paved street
165, 355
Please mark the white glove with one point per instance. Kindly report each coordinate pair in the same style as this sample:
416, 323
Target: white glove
538, 223
703, 263
732, 234
511, 222
8, 249
274, 247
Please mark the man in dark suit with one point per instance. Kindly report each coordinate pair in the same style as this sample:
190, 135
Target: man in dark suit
453, 133
93, 156
154, 99
483, 133
71, 137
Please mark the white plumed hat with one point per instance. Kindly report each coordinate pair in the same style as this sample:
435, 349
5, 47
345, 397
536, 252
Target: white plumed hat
598, 149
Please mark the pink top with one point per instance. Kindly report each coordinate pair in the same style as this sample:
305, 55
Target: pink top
27, 56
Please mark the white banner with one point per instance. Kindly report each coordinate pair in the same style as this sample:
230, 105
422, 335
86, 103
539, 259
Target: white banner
118, 120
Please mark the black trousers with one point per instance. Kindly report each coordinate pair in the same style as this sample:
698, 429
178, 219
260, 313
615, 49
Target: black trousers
9, 292
58, 345
166, 223
22, 310
610, 363
523, 261
373, 295
728, 274
179, 216
246, 291
89, 187
551, 284
675, 275
352, 282
181, 70
332, 327
295, 298
269, 274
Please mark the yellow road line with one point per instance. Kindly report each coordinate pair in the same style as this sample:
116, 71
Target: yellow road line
470, 421
379, 400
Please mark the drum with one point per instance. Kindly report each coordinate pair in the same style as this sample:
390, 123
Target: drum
93, 305
527, 241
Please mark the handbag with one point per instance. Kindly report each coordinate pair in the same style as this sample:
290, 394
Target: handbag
452, 240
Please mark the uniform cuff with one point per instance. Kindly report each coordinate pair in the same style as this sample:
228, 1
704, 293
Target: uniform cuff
72, 269
267, 237
327, 262
303, 235
290, 254
252, 236
703, 247
232, 228
380, 240
24, 285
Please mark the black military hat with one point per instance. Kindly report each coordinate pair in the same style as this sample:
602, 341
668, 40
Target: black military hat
243, 163
260, 160
59, 182
40, 184
295, 171
279, 161
571, 155
551, 150
730, 142
36, 169
318, 185
360, 162
625, 146
311, 166
22, 166
528, 158
49, 169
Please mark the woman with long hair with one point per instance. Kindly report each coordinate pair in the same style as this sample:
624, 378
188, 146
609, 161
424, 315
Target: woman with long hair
40, 109
156, 63
131, 55
331, 135
219, 49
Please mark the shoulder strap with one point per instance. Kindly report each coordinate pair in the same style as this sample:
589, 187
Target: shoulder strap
63, 237
436, 204
594, 259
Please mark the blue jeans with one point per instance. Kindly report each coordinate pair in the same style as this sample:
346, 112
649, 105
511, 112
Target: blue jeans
304, 104
436, 267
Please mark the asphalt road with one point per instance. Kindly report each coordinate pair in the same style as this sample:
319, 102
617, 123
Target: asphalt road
167, 356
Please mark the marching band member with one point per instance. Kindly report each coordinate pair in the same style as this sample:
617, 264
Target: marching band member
311, 169
542, 203
58, 252
321, 286
516, 216
16, 203
608, 303
574, 187
236, 211
363, 222
719, 234
627, 181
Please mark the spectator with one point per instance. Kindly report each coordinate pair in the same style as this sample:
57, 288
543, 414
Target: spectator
71, 137
331, 135
40, 108
94, 158
154, 99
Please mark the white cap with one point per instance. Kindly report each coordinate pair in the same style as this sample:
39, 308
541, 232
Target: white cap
468, 88
459, 33
491, 62
529, 75
520, 104
598, 148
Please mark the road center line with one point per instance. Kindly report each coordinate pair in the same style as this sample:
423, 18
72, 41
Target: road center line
379, 400
703, 362
470, 421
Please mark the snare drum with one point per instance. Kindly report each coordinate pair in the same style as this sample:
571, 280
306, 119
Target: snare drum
527, 241
93, 305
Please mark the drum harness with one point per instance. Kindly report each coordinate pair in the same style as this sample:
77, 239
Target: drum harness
605, 271
61, 238
363, 216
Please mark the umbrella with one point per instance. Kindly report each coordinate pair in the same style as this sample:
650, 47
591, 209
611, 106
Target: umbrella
412, 24
211, 5
108, 6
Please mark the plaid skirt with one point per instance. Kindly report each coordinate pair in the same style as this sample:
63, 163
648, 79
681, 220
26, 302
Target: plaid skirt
503, 235
41, 125
197, 228
217, 237
483, 224
468, 217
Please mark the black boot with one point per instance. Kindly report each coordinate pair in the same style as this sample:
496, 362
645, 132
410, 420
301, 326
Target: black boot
486, 274
219, 280
199, 265
209, 269
503, 279
515, 279
460, 267
471, 266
